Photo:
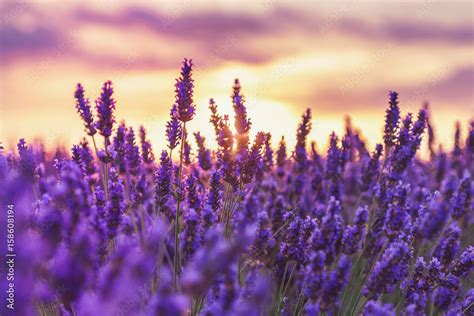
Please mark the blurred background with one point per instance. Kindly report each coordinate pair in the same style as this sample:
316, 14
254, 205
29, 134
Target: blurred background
337, 57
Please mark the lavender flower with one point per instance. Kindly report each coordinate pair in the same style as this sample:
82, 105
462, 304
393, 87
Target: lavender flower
354, 235
147, 152
314, 274
27, 164
242, 123
84, 109
119, 148
391, 268
334, 282
372, 168
191, 234
132, 153
301, 134
186, 152
332, 230
446, 294
173, 129
392, 118
462, 199
193, 193
105, 106
281, 157
215, 119
163, 178
115, 207
204, 154
268, 153
184, 89
464, 264
448, 246
375, 308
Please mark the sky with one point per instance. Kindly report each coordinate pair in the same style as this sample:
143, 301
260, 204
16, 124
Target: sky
338, 58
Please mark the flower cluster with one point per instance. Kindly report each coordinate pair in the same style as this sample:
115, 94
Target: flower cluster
247, 228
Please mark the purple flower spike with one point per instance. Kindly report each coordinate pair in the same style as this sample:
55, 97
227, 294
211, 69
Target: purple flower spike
355, 235
132, 153
163, 178
391, 268
84, 109
449, 244
392, 119
465, 263
105, 106
184, 93
375, 308
147, 152
173, 129
204, 154
115, 206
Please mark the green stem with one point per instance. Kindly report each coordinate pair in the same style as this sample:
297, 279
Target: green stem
106, 168
101, 171
178, 204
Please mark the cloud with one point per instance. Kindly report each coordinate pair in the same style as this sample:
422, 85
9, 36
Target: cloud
453, 89
407, 31
14, 40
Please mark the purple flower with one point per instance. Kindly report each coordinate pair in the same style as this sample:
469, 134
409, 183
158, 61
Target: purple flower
414, 288
84, 109
215, 119
27, 162
333, 165
314, 274
184, 90
392, 119
194, 196
268, 153
334, 283
119, 149
372, 168
462, 198
242, 122
132, 153
375, 308
290, 248
464, 264
260, 248
163, 179
301, 135
468, 302
115, 206
247, 167
389, 269
214, 257
173, 129
354, 235
332, 230
281, 157
449, 244
186, 152
409, 140
147, 152
446, 294
204, 154
225, 140
191, 234
105, 106
209, 217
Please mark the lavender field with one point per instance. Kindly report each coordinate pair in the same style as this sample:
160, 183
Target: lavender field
252, 227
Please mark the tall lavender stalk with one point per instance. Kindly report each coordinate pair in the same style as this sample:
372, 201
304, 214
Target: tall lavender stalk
185, 110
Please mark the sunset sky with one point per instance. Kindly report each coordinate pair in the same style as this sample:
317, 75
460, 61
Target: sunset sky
338, 58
